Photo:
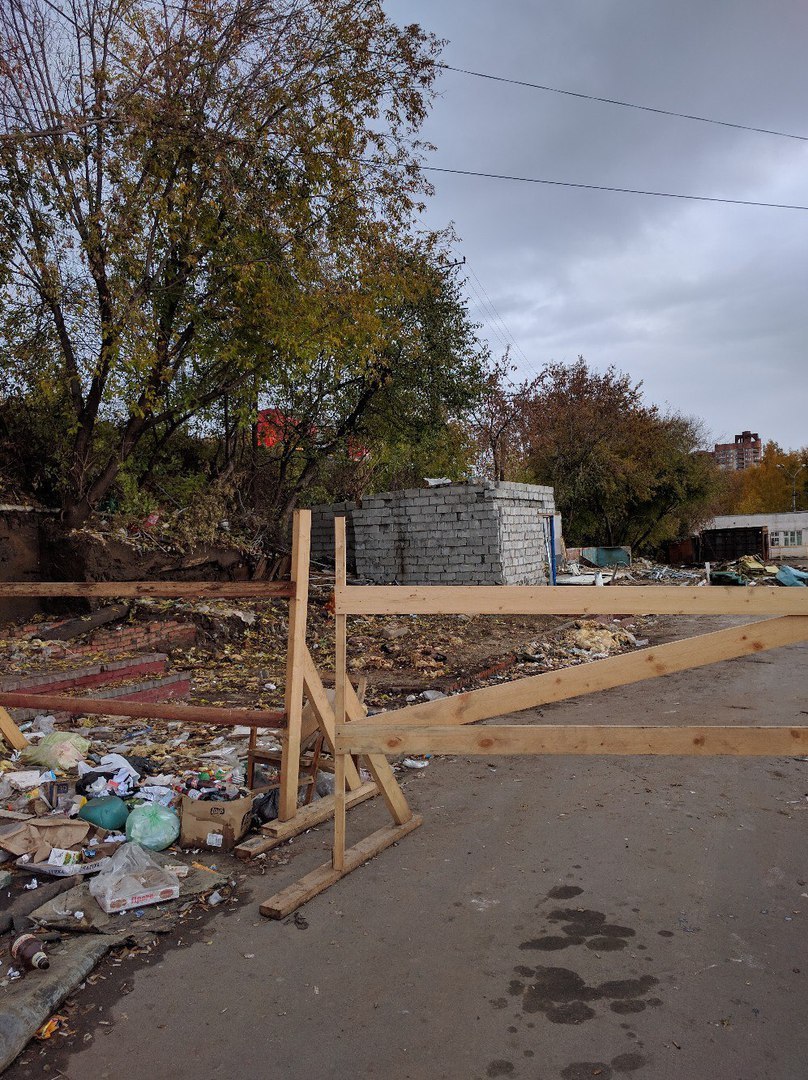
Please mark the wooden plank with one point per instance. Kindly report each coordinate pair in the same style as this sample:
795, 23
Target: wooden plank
272, 719
338, 850
266, 841
536, 690
340, 687
576, 739
294, 896
10, 732
223, 590
321, 706
560, 600
379, 767
293, 701
316, 812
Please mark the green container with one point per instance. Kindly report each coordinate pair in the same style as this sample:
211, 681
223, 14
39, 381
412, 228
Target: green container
109, 812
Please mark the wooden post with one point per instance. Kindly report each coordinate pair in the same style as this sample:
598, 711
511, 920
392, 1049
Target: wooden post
341, 676
298, 609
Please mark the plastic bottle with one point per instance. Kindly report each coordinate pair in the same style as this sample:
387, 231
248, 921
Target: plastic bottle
29, 951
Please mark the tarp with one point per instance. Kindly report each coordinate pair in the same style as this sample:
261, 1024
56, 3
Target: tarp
788, 575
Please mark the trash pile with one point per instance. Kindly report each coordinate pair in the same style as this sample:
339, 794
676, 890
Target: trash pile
66, 815
752, 570
98, 850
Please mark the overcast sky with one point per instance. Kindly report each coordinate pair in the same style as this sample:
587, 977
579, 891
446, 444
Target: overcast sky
706, 303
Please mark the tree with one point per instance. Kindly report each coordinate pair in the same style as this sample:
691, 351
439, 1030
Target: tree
403, 399
775, 484
196, 197
623, 472
497, 421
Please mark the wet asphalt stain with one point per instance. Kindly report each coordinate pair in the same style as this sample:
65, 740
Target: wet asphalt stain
582, 927
585, 1070
564, 892
562, 996
500, 1067
623, 1008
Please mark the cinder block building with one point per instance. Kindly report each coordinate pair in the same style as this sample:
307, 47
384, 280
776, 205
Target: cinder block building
482, 533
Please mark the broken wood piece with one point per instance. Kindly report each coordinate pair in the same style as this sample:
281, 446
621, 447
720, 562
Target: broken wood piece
10, 732
294, 896
74, 628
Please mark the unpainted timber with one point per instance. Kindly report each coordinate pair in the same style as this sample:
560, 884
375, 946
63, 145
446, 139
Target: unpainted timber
536, 690
166, 590
597, 739
10, 732
272, 719
306, 818
296, 647
320, 706
294, 896
559, 600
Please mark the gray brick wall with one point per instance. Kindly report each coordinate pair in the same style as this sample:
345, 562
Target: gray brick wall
484, 533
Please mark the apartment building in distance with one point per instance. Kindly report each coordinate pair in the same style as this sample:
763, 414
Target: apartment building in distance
741, 454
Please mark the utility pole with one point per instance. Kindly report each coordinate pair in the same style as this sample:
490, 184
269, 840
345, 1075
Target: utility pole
793, 476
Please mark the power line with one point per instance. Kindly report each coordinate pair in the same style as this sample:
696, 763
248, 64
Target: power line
625, 104
501, 321
606, 187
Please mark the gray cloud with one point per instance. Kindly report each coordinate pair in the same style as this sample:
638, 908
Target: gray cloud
703, 302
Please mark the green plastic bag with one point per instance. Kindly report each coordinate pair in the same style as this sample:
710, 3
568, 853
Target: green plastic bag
109, 812
152, 826
59, 750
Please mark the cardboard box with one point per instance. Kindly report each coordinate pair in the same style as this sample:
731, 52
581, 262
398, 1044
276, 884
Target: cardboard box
126, 900
217, 826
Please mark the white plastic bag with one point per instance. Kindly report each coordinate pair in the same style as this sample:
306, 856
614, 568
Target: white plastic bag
133, 878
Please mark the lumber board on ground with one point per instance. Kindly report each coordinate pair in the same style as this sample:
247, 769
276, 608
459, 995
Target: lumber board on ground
294, 896
264, 841
316, 812
296, 648
536, 690
10, 732
600, 739
560, 600
272, 719
166, 590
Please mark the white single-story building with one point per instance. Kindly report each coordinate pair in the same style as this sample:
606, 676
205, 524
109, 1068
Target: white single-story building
788, 533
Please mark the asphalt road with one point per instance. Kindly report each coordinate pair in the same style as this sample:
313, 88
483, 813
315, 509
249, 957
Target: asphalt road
553, 919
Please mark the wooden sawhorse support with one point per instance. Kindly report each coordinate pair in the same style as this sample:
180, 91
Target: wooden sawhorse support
439, 727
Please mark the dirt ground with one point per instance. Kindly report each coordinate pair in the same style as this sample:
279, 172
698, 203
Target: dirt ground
553, 918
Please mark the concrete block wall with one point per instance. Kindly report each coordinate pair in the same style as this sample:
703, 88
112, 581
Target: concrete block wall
322, 533
484, 533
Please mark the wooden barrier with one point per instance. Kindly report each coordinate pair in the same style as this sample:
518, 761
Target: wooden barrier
437, 727
300, 668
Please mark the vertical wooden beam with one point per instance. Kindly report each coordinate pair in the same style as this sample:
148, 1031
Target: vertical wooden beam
341, 678
293, 703
10, 732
